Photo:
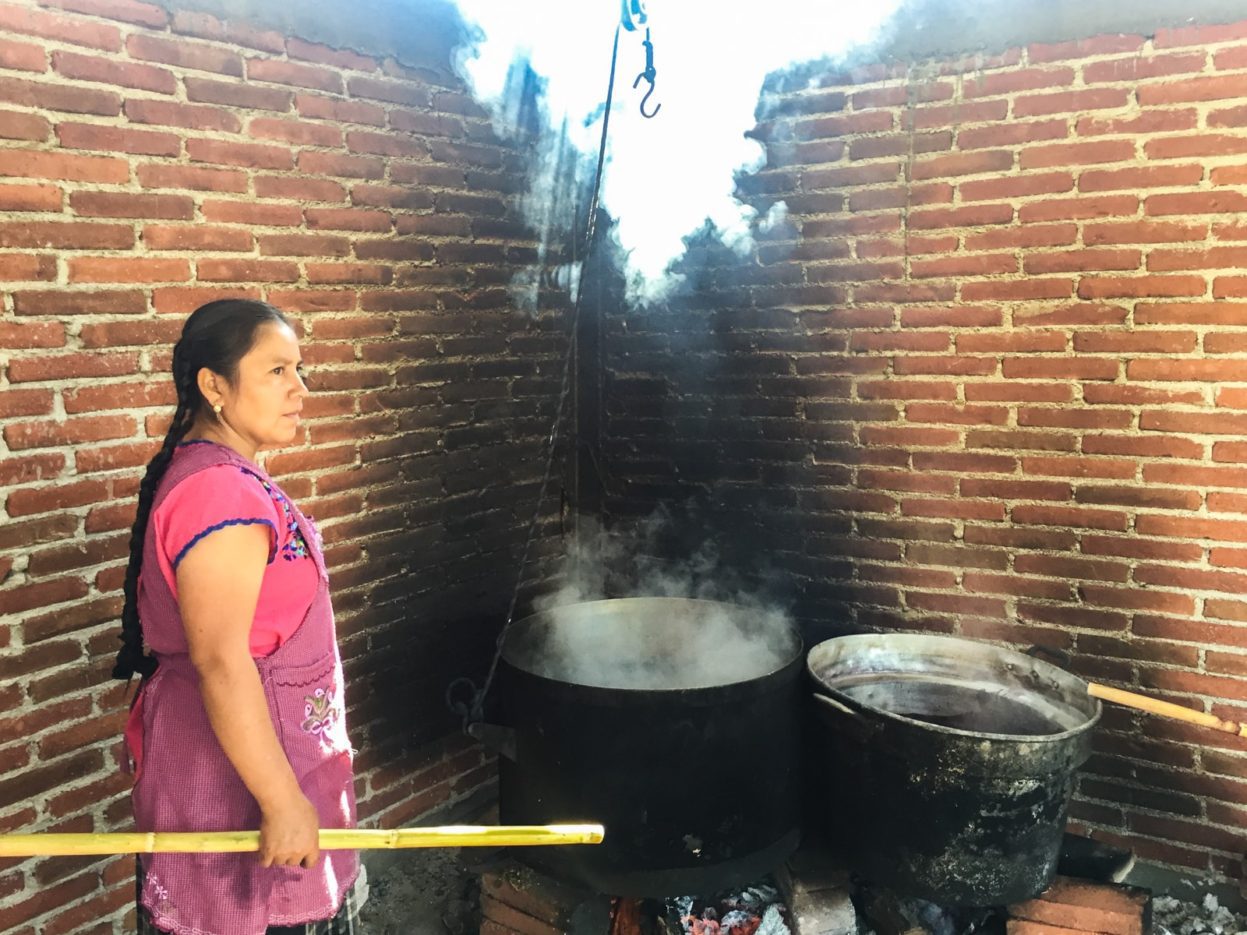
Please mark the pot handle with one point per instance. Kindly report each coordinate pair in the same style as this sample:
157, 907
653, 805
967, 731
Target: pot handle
839, 716
495, 737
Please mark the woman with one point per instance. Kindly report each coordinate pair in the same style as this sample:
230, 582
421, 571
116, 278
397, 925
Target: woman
238, 722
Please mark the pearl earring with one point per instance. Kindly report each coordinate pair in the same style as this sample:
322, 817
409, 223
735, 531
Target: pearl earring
217, 408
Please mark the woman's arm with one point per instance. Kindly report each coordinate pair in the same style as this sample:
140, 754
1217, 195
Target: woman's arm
218, 589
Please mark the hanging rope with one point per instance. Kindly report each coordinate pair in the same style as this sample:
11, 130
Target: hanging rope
463, 697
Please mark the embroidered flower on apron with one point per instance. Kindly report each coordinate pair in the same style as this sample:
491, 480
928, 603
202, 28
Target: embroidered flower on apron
320, 712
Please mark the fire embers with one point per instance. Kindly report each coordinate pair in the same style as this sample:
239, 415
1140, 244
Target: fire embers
758, 910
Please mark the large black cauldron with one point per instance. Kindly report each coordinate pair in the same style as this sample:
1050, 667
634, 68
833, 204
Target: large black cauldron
947, 764
672, 722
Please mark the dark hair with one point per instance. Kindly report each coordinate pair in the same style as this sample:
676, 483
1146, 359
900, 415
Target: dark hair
217, 336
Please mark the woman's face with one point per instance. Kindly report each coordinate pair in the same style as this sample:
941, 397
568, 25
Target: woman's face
263, 403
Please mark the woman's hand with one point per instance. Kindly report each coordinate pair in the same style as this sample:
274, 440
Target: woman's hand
289, 834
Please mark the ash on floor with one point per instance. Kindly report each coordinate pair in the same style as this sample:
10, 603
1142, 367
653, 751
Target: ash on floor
421, 891
1172, 916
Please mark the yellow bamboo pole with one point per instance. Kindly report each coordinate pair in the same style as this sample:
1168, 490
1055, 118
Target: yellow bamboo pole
1164, 708
331, 839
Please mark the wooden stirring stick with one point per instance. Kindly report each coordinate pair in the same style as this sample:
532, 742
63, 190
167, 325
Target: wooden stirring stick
331, 839
1165, 709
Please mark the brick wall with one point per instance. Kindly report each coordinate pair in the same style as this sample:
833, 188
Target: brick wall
152, 161
988, 379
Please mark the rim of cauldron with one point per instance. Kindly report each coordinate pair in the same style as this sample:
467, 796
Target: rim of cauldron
795, 660
1040, 665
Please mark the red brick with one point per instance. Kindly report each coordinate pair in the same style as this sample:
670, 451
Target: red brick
321, 273
298, 188
125, 396
1143, 232
1135, 342
1017, 290
129, 205
1046, 183
71, 366
976, 265
295, 131
24, 403
205, 26
26, 501
1017, 79
191, 116
246, 271
1081, 905
1068, 261
1070, 102
1223, 530
193, 177
62, 97
316, 245
1075, 368
340, 165
1012, 133
16, 125
128, 269
44, 434
249, 212
127, 11
1156, 121
1075, 154
247, 155
135, 333
53, 165
115, 139
1184, 370
92, 302
1080, 467
355, 219
197, 237
235, 94
385, 144
1046, 235
975, 163
35, 22
324, 108
1079, 208
1196, 88
1140, 177
291, 73
22, 56
26, 267
184, 54
1111, 287
1229, 287
867, 147
1194, 144
122, 74
1076, 517
182, 300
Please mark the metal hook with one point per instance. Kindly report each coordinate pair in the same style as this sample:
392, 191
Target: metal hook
649, 74
645, 99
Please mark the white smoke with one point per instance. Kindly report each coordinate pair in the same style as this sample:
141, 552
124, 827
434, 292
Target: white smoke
668, 175
704, 629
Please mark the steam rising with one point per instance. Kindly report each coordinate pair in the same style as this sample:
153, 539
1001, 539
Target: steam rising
666, 176
679, 628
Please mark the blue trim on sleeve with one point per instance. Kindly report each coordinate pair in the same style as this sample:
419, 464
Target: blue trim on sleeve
272, 552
